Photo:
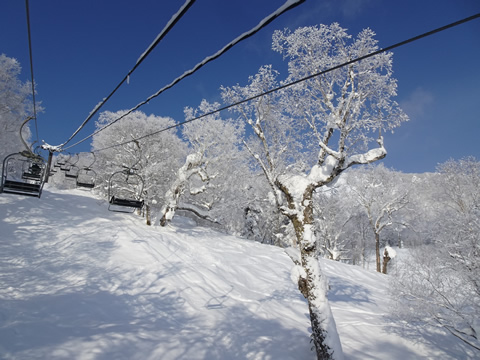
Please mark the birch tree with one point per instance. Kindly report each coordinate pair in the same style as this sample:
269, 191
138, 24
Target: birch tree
309, 133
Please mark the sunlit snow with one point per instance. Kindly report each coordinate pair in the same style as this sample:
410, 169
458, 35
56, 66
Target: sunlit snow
79, 282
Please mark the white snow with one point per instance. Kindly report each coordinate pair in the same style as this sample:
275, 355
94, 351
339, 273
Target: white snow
320, 174
51, 148
370, 156
391, 252
79, 282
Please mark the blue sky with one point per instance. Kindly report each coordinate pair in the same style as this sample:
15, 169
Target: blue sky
83, 49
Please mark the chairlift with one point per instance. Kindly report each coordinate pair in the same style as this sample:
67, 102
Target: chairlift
65, 165
86, 176
32, 170
70, 169
125, 188
72, 173
23, 172
60, 161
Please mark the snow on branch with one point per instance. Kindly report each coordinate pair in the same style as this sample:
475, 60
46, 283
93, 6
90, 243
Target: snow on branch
198, 212
369, 157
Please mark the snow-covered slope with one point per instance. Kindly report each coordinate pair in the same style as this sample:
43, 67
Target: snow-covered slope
79, 282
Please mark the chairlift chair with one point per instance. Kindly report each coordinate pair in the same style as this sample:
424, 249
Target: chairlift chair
125, 188
65, 165
70, 169
23, 174
72, 173
86, 176
61, 161
33, 170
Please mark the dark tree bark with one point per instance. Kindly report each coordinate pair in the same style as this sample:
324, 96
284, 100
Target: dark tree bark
386, 259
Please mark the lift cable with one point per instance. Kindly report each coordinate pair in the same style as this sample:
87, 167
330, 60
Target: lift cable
175, 18
290, 4
388, 48
31, 66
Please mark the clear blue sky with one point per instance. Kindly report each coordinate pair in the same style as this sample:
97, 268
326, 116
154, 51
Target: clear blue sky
83, 49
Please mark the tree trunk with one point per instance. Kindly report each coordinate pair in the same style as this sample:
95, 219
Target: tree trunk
324, 333
169, 209
377, 251
167, 215
386, 259
147, 215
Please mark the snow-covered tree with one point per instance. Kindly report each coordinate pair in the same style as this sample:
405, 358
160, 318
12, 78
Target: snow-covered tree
441, 281
359, 233
155, 158
263, 220
381, 194
332, 217
311, 132
212, 170
15, 106
194, 166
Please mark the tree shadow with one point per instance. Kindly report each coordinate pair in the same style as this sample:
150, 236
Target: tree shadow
60, 298
153, 323
89, 323
434, 337
342, 290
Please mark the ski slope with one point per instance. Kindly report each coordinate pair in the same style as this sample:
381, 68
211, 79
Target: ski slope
79, 282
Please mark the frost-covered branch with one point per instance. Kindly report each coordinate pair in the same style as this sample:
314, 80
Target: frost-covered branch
194, 165
369, 157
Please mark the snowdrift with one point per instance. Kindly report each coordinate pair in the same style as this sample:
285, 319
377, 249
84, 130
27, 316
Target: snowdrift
79, 282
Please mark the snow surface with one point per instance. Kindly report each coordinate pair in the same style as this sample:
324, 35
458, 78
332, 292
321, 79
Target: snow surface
391, 252
79, 282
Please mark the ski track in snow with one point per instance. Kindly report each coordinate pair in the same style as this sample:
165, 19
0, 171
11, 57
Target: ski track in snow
79, 282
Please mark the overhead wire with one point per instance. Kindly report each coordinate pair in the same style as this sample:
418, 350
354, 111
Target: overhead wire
174, 19
281, 87
29, 33
267, 20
